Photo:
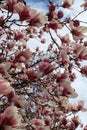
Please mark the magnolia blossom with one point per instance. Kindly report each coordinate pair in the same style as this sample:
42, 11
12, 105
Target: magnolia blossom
48, 121
20, 102
78, 32
38, 20
80, 51
38, 124
64, 56
11, 96
11, 45
10, 117
23, 11
67, 3
70, 126
85, 128
84, 5
4, 67
77, 107
52, 15
84, 70
30, 15
65, 39
60, 14
32, 75
23, 56
10, 5
46, 67
52, 7
76, 23
61, 77
19, 35
1, 20
66, 89
5, 87
54, 24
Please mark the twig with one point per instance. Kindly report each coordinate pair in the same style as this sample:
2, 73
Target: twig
79, 14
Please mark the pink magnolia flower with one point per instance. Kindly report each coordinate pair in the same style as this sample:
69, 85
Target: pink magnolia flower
83, 55
77, 107
38, 20
23, 11
63, 120
19, 101
80, 51
70, 126
1, 31
76, 23
60, 14
32, 75
5, 87
47, 120
10, 117
67, 3
4, 67
19, 35
23, 56
43, 40
1, 20
47, 111
11, 45
3, 70
85, 128
80, 105
58, 114
11, 96
1, 118
38, 124
76, 121
65, 39
84, 70
30, 15
46, 67
10, 5
67, 90
52, 15
52, 7
84, 5
54, 24
61, 77
64, 57
78, 32
85, 43
77, 50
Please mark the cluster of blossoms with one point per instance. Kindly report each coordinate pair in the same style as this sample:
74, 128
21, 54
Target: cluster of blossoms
35, 87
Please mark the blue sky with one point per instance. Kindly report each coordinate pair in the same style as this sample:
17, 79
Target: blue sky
39, 5
36, 1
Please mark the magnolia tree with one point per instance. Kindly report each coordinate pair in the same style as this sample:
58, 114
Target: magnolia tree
35, 86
